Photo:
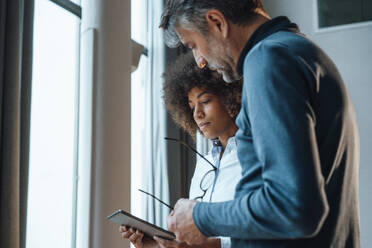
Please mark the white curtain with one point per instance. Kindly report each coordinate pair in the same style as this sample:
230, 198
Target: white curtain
202, 144
149, 156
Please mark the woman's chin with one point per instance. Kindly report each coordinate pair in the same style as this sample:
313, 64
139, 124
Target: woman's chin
208, 135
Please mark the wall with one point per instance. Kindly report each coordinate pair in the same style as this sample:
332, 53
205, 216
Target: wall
108, 154
351, 50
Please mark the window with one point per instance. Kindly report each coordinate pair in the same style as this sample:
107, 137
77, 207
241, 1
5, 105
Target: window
51, 195
339, 12
148, 116
138, 27
367, 9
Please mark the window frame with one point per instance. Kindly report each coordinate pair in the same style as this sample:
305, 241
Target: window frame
336, 28
69, 6
76, 10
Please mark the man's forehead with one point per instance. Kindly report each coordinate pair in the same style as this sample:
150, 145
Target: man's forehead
183, 34
187, 35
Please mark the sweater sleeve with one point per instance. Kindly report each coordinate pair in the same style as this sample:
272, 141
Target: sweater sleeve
291, 201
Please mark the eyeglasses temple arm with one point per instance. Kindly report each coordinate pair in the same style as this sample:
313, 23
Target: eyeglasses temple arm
192, 149
156, 198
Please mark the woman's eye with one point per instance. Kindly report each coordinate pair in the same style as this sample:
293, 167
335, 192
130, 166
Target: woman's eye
206, 101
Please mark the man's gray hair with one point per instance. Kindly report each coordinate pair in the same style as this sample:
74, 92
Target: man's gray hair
191, 14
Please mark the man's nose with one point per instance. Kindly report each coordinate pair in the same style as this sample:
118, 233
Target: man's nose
200, 61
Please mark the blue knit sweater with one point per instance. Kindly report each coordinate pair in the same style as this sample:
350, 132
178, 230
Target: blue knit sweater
298, 145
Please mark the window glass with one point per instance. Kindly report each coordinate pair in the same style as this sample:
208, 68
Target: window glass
338, 12
53, 121
138, 89
367, 9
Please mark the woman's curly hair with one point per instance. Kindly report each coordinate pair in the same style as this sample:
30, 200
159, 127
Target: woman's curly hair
182, 76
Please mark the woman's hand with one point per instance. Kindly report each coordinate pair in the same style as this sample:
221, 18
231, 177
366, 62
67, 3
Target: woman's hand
137, 238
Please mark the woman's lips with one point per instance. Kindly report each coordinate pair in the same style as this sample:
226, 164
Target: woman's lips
204, 125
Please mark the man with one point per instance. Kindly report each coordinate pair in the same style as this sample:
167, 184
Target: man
298, 142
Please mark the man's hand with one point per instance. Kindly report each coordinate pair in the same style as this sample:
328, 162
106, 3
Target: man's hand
170, 243
180, 222
211, 243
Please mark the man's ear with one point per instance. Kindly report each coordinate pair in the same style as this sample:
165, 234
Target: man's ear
217, 23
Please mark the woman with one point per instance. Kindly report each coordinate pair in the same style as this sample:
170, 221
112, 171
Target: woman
199, 100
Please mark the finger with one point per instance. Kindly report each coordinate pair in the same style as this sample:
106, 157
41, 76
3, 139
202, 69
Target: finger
180, 237
123, 229
132, 232
133, 238
179, 202
127, 234
171, 223
139, 237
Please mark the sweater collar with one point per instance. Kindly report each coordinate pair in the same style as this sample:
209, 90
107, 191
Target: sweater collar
280, 23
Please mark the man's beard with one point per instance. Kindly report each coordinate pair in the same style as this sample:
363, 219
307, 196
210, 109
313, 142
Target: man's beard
224, 68
229, 75
223, 64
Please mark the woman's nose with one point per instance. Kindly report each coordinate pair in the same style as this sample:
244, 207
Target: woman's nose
198, 113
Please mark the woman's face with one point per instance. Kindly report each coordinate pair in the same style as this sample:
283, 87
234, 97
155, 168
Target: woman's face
209, 114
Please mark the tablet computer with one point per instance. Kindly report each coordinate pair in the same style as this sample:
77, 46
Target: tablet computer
124, 218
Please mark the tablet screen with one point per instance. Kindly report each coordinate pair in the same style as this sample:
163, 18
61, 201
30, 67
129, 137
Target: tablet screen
124, 218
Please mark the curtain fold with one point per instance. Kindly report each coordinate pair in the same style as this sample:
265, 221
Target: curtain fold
16, 36
202, 144
155, 163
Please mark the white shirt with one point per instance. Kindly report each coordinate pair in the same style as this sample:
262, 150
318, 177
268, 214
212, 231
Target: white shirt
228, 175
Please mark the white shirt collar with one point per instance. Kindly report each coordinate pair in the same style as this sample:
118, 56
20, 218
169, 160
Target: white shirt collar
230, 146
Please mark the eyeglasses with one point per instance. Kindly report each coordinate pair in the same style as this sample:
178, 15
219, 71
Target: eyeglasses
169, 206
208, 178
